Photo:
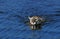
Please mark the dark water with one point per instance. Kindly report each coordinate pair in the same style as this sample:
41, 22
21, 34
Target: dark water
13, 14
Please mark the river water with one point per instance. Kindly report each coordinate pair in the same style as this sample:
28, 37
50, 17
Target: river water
14, 13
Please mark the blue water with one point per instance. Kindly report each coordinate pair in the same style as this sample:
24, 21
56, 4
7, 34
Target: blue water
13, 14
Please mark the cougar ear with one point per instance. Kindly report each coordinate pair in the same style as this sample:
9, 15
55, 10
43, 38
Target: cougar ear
29, 17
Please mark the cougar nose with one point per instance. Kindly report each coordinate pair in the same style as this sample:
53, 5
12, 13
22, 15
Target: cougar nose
33, 23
